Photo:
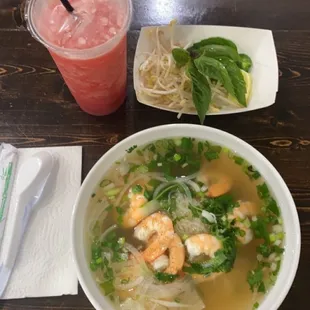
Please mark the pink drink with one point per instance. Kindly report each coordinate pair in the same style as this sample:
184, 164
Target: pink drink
88, 46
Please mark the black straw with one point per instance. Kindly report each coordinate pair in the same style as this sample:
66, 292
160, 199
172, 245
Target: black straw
67, 5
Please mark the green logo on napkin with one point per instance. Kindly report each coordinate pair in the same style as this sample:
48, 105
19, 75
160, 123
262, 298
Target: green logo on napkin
6, 175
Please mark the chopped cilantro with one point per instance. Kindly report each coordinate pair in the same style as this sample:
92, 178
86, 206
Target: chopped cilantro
255, 280
131, 149
256, 305
211, 155
148, 195
273, 207
137, 189
93, 195
168, 206
200, 148
260, 228
252, 173
120, 210
266, 249
263, 191
187, 144
168, 177
165, 277
238, 160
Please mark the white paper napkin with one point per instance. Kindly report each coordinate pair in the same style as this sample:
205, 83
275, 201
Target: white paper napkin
45, 266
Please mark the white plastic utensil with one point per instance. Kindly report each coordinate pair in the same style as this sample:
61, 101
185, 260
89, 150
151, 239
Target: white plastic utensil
30, 183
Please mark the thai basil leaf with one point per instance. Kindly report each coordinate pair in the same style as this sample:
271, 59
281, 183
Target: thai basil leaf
214, 69
245, 62
212, 41
237, 79
180, 56
201, 91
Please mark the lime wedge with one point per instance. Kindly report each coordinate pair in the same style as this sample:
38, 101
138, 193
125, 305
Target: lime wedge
248, 82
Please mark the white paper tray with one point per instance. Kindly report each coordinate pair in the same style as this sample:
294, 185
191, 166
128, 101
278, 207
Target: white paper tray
257, 43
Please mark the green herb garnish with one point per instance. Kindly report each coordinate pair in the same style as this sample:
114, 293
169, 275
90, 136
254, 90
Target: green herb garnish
165, 277
201, 91
215, 70
263, 191
255, 279
137, 189
245, 62
131, 149
180, 56
214, 41
237, 79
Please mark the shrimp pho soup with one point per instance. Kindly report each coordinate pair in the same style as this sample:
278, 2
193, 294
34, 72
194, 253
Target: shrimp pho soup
183, 224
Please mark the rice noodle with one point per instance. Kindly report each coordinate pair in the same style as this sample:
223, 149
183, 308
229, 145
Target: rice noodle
171, 304
98, 216
165, 185
193, 185
130, 304
189, 177
137, 256
209, 216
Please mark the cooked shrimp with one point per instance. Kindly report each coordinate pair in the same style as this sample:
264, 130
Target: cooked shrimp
240, 214
156, 224
202, 244
136, 213
160, 263
174, 263
218, 183
176, 255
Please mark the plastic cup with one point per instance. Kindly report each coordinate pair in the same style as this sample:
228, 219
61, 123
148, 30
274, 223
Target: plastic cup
89, 47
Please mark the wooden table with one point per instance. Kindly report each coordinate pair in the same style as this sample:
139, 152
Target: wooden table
36, 108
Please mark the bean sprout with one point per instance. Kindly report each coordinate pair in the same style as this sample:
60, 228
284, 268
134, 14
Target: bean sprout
165, 85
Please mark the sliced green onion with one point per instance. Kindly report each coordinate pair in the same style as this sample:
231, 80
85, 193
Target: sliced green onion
99, 260
177, 157
177, 142
113, 192
104, 183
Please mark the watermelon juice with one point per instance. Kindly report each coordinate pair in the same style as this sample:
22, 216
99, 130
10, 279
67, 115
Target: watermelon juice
89, 47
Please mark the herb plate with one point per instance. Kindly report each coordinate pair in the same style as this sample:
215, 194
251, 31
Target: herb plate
257, 43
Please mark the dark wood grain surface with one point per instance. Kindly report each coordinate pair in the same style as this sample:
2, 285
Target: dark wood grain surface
36, 108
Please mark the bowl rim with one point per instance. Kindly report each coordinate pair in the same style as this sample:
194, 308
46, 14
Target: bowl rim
289, 266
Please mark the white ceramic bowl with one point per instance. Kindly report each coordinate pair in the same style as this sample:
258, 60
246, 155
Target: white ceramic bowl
276, 184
